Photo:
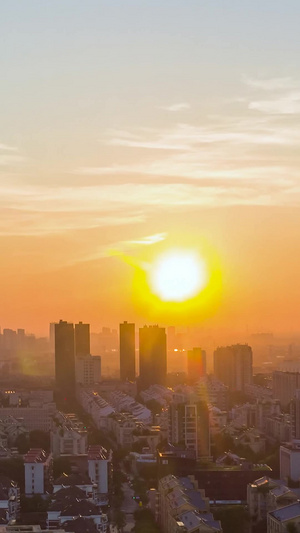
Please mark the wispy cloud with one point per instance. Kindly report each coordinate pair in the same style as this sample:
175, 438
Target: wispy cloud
283, 95
39, 211
176, 107
150, 239
7, 148
272, 84
237, 149
287, 104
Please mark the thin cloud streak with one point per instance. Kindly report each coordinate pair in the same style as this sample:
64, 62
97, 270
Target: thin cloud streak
288, 104
176, 107
36, 211
272, 84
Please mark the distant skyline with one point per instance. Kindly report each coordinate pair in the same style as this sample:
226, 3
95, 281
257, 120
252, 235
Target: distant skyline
130, 127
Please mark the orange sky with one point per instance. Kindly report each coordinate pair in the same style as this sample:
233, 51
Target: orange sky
130, 127
44, 279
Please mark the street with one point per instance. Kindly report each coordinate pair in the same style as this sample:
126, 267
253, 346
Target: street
129, 506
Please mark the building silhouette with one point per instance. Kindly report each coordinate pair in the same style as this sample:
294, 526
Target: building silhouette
233, 366
196, 364
82, 339
152, 356
64, 360
127, 352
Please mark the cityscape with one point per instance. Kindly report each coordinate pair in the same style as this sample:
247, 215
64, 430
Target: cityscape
149, 273
194, 449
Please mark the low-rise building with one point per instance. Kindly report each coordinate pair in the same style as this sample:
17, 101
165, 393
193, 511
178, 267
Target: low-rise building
123, 425
68, 436
265, 495
9, 498
124, 403
37, 415
81, 481
98, 408
71, 504
178, 504
284, 519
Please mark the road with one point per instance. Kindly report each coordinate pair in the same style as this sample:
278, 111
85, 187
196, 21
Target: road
129, 506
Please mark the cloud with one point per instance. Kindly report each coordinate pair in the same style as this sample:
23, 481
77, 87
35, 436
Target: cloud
7, 148
150, 239
288, 104
272, 84
237, 149
152, 145
176, 107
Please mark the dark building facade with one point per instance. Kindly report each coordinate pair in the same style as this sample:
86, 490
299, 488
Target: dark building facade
82, 339
65, 359
127, 352
196, 364
233, 366
152, 356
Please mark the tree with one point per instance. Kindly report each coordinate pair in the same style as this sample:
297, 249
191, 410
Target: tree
22, 443
291, 528
61, 465
34, 504
120, 519
39, 439
232, 517
144, 522
13, 469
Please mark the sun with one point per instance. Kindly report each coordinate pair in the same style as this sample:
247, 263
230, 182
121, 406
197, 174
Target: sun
177, 275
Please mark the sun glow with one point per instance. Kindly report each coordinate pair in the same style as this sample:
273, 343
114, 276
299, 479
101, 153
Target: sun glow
178, 275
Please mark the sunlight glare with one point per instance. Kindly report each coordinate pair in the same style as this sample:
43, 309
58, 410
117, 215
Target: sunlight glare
177, 275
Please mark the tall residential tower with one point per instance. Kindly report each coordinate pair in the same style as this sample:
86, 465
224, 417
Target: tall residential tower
127, 352
153, 356
64, 359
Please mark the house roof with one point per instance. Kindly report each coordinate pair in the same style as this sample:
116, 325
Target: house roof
70, 492
80, 508
72, 479
80, 525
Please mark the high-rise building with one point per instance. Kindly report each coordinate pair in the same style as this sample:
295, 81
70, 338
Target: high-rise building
82, 339
295, 415
88, 369
233, 366
286, 381
189, 427
152, 356
196, 364
127, 352
65, 359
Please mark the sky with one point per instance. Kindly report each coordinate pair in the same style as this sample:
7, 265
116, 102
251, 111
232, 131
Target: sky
129, 127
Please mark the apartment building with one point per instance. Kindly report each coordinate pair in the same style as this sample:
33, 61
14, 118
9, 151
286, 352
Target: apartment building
189, 427
289, 455
99, 470
38, 471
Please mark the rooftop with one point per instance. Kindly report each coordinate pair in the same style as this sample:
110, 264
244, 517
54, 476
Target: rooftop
36, 455
287, 513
